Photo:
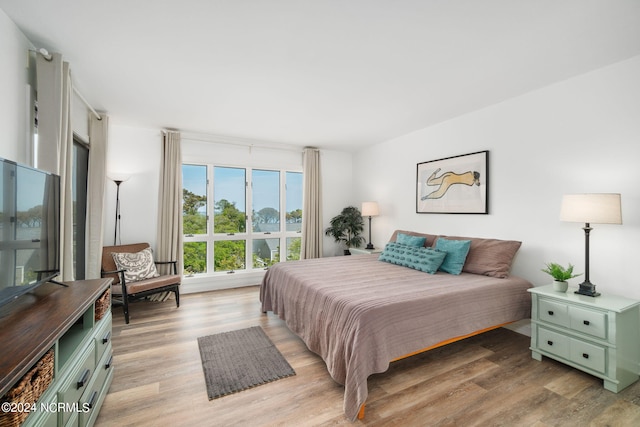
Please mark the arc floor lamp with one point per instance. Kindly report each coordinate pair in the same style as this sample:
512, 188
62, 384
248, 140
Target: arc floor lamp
118, 179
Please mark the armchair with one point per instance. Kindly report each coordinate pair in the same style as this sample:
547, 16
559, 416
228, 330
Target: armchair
124, 290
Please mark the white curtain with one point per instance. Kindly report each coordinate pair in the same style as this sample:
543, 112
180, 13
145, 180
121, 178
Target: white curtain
55, 144
169, 238
97, 178
312, 232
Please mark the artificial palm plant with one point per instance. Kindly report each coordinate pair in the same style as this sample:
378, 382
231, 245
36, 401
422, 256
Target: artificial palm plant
346, 227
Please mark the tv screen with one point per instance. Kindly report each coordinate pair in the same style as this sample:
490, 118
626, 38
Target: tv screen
29, 229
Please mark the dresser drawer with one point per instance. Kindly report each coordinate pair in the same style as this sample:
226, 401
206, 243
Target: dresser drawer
103, 336
588, 355
93, 396
588, 321
554, 312
553, 342
78, 379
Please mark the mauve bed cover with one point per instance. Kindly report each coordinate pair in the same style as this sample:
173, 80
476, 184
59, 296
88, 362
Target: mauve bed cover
359, 313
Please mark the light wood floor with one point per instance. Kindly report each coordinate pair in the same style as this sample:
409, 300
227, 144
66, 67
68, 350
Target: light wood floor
488, 380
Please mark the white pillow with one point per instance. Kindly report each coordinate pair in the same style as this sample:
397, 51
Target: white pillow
137, 266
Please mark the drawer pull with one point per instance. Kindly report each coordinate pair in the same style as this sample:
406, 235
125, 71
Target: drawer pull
550, 342
109, 363
92, 400
106, 338
83, 379
586, 322
585, 355
550, 312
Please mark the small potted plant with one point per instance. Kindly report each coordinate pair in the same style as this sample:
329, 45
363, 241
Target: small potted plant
560, 275
347, 227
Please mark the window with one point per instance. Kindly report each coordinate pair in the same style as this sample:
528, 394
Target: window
256, 221
80, 168
194, 217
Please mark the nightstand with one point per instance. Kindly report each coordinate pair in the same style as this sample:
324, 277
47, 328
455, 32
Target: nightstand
598, 335
361, 251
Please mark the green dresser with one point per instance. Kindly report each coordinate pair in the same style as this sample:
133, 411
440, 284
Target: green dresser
600, 336
73, 323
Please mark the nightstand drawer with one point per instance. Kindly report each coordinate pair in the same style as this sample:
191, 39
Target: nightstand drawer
554, 312
588, 322
553, 342
588, 355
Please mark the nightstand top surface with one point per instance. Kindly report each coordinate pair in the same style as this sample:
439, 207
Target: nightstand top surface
365, 251
605, 301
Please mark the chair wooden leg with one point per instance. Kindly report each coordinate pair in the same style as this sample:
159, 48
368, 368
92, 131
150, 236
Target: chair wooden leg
125, 307
177, 293
125, 297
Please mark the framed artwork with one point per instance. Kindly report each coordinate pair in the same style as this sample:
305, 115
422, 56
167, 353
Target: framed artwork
456, 184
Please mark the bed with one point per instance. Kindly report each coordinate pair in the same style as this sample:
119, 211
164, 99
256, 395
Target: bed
359, 313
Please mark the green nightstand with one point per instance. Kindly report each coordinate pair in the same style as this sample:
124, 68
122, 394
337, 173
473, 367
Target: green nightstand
361, 251
598, 335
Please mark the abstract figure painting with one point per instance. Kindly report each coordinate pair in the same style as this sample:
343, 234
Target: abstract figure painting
456, 184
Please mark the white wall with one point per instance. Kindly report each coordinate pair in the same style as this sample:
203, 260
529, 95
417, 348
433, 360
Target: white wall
135, 152
17, 88
14, 87
580, 135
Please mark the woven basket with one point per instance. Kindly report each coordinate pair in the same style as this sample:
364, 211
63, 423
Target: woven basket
103, 304
27, 391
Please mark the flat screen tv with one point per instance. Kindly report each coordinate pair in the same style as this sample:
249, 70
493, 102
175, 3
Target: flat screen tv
29, 229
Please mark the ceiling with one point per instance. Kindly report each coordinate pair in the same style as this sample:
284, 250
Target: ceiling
338, 74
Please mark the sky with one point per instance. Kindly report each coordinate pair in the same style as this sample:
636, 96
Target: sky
229, 183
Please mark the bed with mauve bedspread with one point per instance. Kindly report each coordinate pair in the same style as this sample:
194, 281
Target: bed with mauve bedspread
359, 313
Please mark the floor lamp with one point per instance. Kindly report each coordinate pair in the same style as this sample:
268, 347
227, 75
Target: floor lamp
370, 209
602, 208
118, 179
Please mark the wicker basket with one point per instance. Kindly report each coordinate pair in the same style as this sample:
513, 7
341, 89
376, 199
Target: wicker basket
27, 391
103, 304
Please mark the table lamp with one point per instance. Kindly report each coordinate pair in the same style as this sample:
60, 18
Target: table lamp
370, 209
596, 208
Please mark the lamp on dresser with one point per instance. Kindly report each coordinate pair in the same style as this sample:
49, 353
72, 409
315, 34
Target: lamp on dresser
594, 208
370, 209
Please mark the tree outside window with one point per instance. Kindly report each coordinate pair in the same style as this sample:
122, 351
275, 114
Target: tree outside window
231, 240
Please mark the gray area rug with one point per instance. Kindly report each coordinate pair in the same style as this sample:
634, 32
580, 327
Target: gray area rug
238, 360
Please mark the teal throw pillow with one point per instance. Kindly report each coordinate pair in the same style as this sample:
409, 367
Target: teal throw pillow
406, 239
422, 259
457, 251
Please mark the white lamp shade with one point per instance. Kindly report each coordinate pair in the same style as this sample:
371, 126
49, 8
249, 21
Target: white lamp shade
370, 209
597, 208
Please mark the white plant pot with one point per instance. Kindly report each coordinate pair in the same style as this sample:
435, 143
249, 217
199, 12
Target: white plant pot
560, 286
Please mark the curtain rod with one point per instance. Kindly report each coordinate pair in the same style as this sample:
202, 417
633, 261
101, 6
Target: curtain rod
48, 57
238, 142
95, 113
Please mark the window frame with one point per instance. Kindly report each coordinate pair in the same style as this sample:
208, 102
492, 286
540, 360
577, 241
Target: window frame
248, 236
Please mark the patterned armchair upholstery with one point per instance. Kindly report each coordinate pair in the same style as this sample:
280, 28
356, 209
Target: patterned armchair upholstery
127, 287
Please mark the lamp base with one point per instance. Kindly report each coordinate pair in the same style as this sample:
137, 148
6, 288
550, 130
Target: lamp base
369, 246
588, 289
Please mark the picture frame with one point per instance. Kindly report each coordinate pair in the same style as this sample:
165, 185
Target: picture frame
457, 184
